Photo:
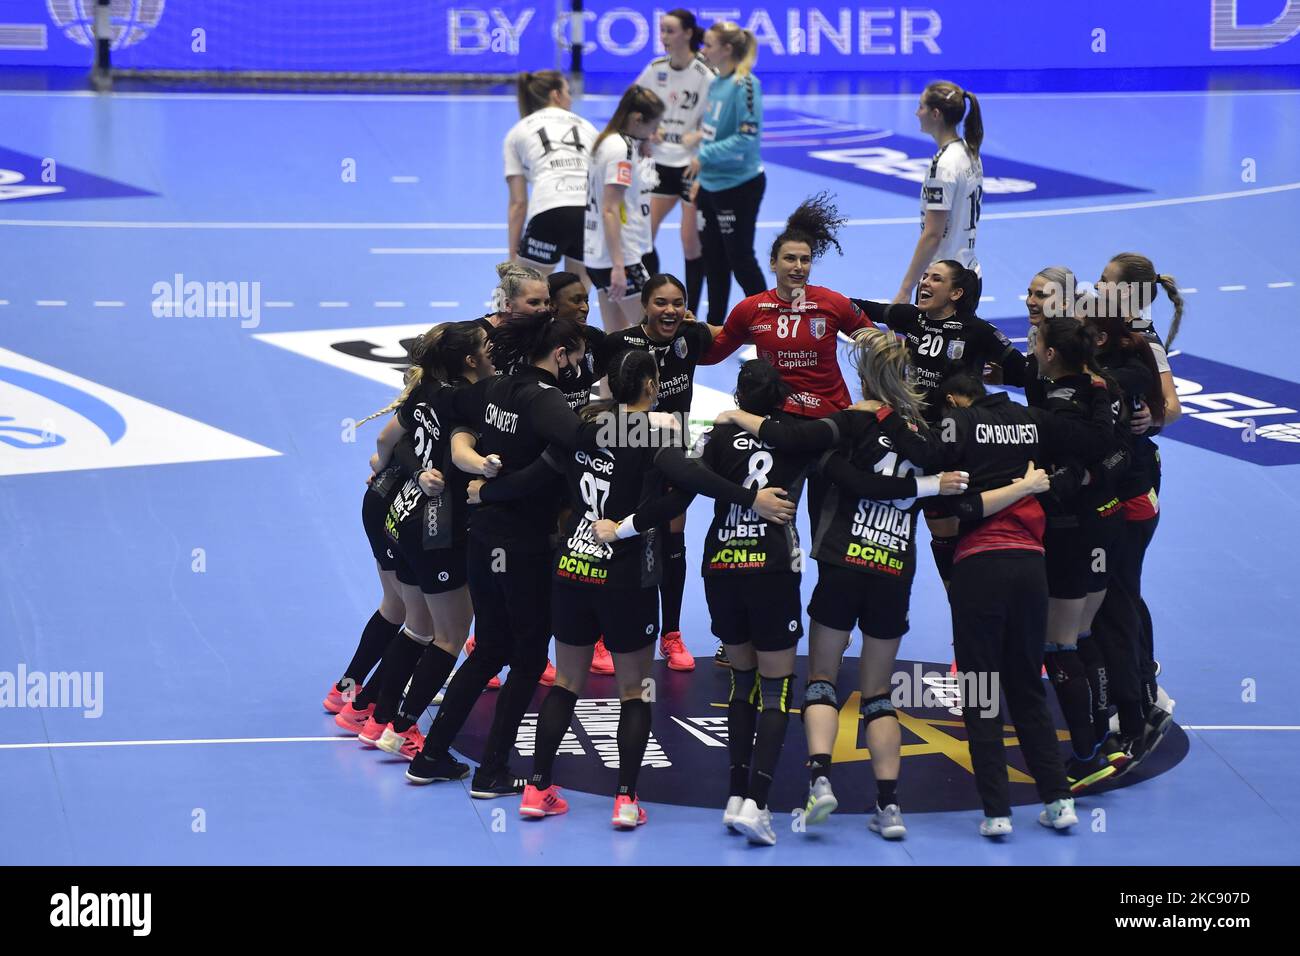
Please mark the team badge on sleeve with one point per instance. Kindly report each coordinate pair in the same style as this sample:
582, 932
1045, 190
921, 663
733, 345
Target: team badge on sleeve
934, 194
625, 174
956, 349
748, 128
817, 327
679, 346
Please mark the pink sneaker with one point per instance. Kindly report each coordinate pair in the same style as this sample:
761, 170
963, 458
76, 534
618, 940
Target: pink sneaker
675, 652
601, 661
628, 814
353, 720
494, 684
548, 676
335, 700
542, 803
372, 731
406, 744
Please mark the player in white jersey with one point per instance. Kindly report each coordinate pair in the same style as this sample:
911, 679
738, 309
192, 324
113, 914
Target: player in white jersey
954, 184
681, 79
549, 148
617, 233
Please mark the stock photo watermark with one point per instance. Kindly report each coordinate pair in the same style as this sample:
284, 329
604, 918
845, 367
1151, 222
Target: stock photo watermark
70, 690
181, 298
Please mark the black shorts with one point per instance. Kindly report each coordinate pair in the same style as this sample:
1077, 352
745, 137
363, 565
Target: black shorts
628, 618
374, 511
1067, 558
844, 597
433, 571
674, 182
1102, 537
637, 276
554, 233
759, 609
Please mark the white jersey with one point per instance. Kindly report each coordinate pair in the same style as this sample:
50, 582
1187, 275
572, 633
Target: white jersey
551, 148
955, 183
685, 94
616, 162
649, 180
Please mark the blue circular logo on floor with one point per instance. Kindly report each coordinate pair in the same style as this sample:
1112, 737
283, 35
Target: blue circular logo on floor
686, 762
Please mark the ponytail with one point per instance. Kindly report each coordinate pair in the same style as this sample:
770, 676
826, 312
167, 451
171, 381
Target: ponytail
760, 389
950, 100
1176, 298
1137, 268
533, 90
524, 339
969, 283
741, 42
636, 99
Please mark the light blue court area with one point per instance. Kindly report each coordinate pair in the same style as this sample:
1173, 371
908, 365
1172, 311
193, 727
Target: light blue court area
180, 496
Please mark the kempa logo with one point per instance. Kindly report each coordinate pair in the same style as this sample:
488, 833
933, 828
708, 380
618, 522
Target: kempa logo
82, 690
208, 300
73, 909
686, 762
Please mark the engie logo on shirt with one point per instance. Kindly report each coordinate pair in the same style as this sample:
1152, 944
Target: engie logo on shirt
52, 420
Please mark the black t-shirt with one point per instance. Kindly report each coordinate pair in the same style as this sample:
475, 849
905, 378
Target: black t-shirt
943, 347
1072, 396
1136, 383
677, 360
576, 383
516, 416
427, 418
739, 540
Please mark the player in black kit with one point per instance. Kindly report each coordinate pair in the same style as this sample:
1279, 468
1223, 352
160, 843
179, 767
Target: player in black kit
945, 336
605, 579
516, 416
863, 544
571, 300
678, 343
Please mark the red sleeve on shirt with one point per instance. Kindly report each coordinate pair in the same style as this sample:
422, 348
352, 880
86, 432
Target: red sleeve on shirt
850, 317
734, 334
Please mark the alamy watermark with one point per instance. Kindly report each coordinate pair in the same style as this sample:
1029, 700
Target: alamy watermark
80, 690
208, 300
950, 691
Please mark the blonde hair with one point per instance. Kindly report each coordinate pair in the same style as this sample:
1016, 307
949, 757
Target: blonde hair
1135, 267
413, 376
1063, 279
511, 277
881, 360
741, 42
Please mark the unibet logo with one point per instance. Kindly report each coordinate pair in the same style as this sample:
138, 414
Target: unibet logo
687, 760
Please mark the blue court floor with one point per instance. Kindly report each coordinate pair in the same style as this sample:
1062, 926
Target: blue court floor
180, 496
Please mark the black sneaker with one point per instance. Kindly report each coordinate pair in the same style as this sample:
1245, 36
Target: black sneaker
720, 656
432, 769
1083, 774
1158, 722
502, 783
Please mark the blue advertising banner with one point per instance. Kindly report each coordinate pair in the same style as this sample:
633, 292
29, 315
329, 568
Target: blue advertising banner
503, 36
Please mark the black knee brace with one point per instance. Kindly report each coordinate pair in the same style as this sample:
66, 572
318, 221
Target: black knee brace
820, 692
744, 686
873, 708
776, 693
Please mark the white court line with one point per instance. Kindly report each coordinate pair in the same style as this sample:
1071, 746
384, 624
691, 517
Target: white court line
1188, 291
165, 743
390, 304
444, 305
1280, 285
108, 304
436, 251
333, 305
403, 179
774, 224
4, 301
52, 302
278, 305
1232, 288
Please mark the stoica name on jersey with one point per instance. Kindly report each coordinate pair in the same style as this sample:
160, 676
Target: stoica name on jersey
881, 524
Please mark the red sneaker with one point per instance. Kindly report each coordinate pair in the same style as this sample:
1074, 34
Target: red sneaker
675, 652
406, 744
542, 803
336, 699
353, 720
372, 731
469, 645
548, 676
628, 814
494, 684
601, 661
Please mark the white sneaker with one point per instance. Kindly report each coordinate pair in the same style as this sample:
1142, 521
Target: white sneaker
756, 824
995, 826
821, 802
729, 815
888, 822
1059, 814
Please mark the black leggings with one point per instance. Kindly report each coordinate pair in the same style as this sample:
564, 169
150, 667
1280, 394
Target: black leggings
512, 625
730, 217
1122, 626
999, 620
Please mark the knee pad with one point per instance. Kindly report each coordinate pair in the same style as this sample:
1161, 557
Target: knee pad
776, 693
675, 546
744, 686
820, 692
873, 708
421, 639
944, 549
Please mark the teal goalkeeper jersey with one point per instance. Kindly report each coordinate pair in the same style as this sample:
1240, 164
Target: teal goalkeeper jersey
732, 126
